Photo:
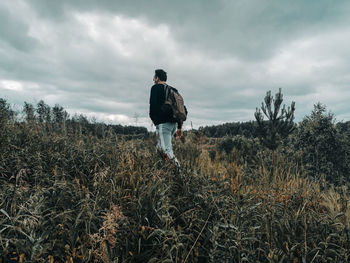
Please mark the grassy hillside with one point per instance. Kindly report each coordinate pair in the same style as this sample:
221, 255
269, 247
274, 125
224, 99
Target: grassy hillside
71, 197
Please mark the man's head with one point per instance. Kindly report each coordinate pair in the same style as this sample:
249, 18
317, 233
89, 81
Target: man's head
160, 75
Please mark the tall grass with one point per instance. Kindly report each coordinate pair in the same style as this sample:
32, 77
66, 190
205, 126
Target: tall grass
69, 197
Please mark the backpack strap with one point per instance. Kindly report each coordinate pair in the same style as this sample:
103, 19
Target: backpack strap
166, 89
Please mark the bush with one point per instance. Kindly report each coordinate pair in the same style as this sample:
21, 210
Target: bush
323, 152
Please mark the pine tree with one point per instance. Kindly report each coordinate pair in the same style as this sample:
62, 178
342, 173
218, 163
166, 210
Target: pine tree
279, 122
278, 126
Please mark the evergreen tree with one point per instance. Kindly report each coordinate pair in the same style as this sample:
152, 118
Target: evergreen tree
278, 126
279, 122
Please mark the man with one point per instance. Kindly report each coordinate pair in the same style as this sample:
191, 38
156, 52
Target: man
165, 125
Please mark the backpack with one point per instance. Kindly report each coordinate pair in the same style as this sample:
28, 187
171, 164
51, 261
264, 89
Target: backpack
174, 105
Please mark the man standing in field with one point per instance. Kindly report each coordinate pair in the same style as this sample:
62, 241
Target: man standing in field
167, 124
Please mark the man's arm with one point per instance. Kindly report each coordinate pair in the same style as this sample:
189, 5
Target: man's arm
152, 103
179, 133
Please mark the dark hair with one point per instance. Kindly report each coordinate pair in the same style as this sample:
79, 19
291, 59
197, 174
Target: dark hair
161, 74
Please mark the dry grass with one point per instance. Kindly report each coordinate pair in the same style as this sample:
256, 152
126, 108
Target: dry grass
75, 198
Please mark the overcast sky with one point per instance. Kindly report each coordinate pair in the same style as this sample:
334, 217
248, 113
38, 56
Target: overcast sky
98, 57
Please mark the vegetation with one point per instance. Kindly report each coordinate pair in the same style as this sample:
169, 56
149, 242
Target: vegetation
324, 147
76, 192
280, 121
246, 129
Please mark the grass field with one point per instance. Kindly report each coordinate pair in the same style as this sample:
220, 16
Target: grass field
69, 197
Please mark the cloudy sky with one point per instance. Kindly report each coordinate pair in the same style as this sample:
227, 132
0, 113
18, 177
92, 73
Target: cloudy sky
98, 57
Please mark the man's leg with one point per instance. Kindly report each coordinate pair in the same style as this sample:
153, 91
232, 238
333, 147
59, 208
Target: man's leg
165, 133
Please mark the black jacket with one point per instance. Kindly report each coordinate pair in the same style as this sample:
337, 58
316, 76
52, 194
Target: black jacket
156, 101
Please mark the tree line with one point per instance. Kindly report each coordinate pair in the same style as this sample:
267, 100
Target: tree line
57, 119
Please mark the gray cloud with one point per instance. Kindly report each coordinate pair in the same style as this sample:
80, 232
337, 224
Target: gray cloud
247, 29
14, 33
99, 57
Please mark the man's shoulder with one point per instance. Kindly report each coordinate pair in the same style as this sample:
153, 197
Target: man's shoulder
157, 87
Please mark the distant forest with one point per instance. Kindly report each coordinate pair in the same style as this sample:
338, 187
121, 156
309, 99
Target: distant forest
248, 129
58, 118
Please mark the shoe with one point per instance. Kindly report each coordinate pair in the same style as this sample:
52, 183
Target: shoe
163, 155
177, 166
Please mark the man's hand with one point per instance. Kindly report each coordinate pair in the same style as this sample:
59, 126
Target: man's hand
179, 134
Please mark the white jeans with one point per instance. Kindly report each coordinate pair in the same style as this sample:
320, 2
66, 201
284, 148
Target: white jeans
165, 133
